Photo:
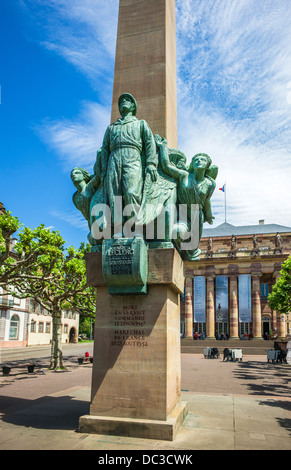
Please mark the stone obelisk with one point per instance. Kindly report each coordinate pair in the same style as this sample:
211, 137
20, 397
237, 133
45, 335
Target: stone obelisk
145, 63
136, 379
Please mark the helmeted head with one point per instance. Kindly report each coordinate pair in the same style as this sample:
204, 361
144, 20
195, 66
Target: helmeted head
128, 97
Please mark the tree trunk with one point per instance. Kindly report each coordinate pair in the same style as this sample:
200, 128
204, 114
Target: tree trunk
56, 351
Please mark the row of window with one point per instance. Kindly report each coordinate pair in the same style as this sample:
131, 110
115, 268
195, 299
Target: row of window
40, 328
264, 291
41, 325
33, 327
34, 307
222, 327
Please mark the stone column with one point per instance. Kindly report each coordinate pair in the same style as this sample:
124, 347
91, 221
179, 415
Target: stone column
256, 305
275, 314
189, 308
210, 307
233, 313
281, 325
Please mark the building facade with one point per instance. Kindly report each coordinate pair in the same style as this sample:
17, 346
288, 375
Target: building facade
226, 291
23, 323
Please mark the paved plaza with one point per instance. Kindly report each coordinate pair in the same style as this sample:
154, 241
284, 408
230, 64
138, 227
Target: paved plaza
232, 406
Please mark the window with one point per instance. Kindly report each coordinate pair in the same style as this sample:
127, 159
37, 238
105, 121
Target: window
16, 301
33, 326
244, 329
264, 290
40, 327
182, 296
33, 306
14, 327
222, 327
201, 328
66, 328
47, 327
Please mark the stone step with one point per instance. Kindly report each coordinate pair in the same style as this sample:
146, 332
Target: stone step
252, 347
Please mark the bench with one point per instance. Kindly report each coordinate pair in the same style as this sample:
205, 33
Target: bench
210, 353
232, 354
276, 355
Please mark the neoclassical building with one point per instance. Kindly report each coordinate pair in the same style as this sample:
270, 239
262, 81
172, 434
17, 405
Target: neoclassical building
226, 291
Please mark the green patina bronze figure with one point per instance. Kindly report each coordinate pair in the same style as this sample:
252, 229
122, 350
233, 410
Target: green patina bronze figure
89, 193
128, 155
150, 180
195, 187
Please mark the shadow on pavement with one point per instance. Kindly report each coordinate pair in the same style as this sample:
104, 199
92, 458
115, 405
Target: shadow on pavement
61, 413
265, 378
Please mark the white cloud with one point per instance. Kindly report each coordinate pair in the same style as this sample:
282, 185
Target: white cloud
77, 141
234, 66
83, 32
72, 218
234, 75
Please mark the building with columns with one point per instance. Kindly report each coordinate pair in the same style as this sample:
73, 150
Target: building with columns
226, 291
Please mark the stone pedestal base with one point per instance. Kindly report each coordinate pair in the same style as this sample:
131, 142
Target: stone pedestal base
136, 379
139, 428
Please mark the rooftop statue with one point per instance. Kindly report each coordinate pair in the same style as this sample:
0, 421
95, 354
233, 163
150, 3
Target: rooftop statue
136, 174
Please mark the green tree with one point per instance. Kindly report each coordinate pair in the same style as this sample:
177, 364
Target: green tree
23, 261
280, 297
8, 226
86, 326
42, 269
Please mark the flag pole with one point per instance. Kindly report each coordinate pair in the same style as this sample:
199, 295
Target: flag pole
225, 201
223, 189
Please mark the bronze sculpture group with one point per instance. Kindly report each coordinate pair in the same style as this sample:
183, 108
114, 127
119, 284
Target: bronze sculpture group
137, 175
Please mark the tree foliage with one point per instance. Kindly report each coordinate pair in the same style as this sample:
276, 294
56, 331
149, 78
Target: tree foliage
42, 269
280, 297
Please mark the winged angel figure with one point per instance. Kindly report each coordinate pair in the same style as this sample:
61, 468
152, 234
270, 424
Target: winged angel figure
195, 186
90, 192
175, 184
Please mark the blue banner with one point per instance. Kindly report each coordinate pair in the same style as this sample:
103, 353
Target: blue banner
221, 298
199, 303
244, 298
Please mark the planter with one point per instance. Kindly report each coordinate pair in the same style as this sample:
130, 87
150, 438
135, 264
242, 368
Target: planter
30, 368
80, 360
6, 370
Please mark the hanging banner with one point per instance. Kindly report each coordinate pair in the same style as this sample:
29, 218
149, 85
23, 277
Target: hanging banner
199, 303
221, 298
244, 298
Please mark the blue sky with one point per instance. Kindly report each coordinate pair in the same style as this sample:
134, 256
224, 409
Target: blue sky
234, 103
